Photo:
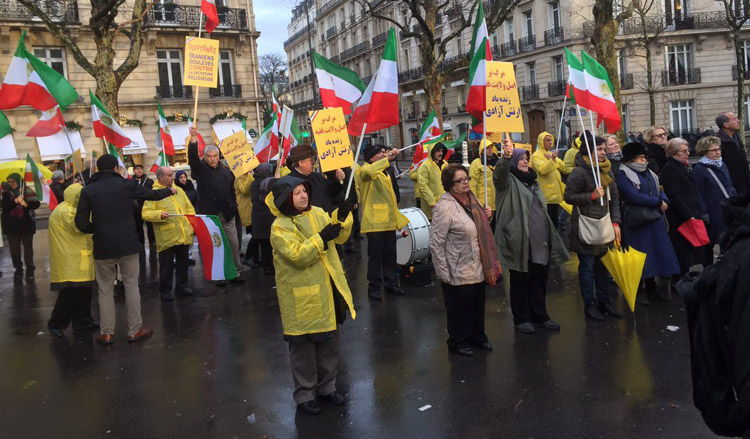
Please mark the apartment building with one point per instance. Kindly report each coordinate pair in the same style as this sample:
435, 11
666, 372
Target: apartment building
158, 78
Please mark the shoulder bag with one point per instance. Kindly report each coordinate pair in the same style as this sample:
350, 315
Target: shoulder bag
596, 231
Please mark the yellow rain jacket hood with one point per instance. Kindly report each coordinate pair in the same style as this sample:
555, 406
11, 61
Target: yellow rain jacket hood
175, 230
244, 203
548, 171
71, 257
428, 180
306, 266
376, 198
477, 171
570, 156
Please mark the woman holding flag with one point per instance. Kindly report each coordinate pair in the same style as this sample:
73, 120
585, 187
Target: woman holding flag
19, 223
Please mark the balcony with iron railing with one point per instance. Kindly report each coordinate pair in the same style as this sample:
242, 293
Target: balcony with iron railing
554, 36
189, 17
680, 77
556, 88
336, 59
527, 44
379, 40
168, 92
226, 91
626, 81
530, 92
354, 51
299, 34
61, 11
304, 105
508, 49
328, 7
746, 75
410, 75
331, 32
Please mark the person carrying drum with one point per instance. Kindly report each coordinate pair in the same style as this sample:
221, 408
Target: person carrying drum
380, 218
477, 170
430, 186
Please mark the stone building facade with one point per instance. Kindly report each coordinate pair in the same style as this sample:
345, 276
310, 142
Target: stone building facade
158, 77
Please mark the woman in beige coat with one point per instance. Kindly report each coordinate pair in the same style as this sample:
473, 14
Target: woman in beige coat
464, 257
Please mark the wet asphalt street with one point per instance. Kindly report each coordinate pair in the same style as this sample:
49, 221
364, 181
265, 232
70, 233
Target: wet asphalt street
217, 367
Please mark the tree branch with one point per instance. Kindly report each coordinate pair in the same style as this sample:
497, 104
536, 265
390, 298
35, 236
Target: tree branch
106, 9
136, 43
140, 18
383, 17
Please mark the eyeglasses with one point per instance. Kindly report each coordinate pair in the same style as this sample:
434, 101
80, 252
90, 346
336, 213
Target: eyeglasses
660, 135
683, 151
714, 150
462, 180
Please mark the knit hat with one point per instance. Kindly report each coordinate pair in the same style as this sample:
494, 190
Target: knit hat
516, 157
299, 152
371, 151
633, 150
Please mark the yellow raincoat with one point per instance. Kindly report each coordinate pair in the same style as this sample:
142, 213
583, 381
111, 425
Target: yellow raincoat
244, 203
175, 230
305, 268
414, 176
71, 257
570, 157
376, 198
548, 171
477, 171
430, 186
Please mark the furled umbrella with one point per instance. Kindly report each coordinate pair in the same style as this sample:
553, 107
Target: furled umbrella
626, 268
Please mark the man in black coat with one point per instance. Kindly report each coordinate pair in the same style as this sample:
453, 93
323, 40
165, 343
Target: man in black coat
58, 185
144, 181
325, 191
105, 209
216, 194
732, 151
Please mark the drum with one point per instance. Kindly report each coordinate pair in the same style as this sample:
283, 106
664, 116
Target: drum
416, 246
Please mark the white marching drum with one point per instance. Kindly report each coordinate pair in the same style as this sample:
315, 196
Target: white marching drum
416, 246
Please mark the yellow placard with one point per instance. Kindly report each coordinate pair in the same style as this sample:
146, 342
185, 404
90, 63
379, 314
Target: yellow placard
201, 62
331, 139
526, 146
239, 154
503, 112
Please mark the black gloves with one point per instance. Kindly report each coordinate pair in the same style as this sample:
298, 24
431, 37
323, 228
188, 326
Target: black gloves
344, 210
330, 232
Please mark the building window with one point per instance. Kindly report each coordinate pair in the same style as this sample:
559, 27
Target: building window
563, 128
747, 111
557, 68
510, 34
528, 24
676, 10
226, 73
682, 117
53, 57
530, 73
555, 22
625, 118
170, 73
745, 52
679, 61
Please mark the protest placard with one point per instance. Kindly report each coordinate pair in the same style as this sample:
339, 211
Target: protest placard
238, 154
331, 139
201, 62
503, 112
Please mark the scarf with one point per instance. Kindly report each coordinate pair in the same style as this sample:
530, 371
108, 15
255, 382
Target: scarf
707, 161
604, 168
616, 156
630, 169
527, 178
487, 251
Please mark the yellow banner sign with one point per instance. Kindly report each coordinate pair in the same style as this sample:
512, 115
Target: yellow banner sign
239, 154
331, 139
503, 112
201, 62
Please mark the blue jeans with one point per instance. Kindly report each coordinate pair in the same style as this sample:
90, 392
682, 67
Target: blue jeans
591, 273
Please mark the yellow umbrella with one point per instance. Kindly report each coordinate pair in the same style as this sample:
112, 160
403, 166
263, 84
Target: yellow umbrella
626, 267
19, 167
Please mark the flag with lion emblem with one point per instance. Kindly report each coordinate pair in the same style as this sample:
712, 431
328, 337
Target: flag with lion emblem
218, 262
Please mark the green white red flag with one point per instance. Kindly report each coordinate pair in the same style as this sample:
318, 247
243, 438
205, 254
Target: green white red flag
115, 151
589, 86
29, 81
161, 160
430, 127
105, 126
267, 146
201, 142
33, 178
164, 140
378, 107
49, 123
208, 7
480, 54
218, 263
5, 128
339, 86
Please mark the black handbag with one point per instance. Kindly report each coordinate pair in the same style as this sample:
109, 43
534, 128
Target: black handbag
639, 216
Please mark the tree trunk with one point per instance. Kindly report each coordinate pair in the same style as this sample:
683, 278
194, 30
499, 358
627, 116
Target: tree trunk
742, 114
650, 87
605, 30
107, 86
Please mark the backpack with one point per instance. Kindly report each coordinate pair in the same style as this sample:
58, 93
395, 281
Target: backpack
713, 307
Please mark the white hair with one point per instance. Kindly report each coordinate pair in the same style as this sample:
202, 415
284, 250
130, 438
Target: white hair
210, 148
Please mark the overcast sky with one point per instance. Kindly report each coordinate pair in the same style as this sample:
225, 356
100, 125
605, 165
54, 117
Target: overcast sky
271, 19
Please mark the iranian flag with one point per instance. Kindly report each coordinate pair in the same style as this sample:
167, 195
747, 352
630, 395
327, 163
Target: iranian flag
5, 128
218, 263
48, 124
118, 153
34, 179
339, 86
576, 81
164, 140
29, 81
378, 107
420, 155
268, 142
201, 142
208, 7
480, 54
599, 94
276, 109
161, 160
430, 128
105, 126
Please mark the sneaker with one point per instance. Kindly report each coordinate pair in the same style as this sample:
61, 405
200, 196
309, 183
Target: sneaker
549, 324
526, 328
29, 274
592, 312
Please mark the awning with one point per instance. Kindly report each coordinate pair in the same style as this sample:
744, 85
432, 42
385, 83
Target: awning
420, 92
8, 149
225, 128
407, 94
447, 126
138, 143
180, 132
56, 146
458, 83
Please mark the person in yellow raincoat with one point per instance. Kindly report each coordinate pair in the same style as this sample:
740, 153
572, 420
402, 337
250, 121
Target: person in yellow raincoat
71, 267
380, 218
174, 234
414, 176
570, 156
245, 209
548, 168
430, 186
476, 173
312, 290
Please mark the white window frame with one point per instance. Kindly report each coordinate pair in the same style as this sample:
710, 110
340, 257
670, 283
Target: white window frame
169, 60
49, 59
682, 115
625, 118
745, 53
229, 61
509, 31
531, 73
558, 68
747, 111
528, 22
679, 51
553, 9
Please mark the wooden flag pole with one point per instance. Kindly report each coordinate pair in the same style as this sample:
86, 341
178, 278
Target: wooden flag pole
354, 165
197, 89
484, 139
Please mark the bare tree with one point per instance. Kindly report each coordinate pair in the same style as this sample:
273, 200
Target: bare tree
737, 14
650, 29
433, 46
105, 31
272, 67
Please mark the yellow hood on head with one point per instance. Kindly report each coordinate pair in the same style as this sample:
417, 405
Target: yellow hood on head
483, 143
540, 139
72, 194
271, 205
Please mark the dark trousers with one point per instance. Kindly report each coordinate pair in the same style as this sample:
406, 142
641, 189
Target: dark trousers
72, 304
592, 274
15, 242
253, 249
528, 294
167, 266
464, 307
554, 213
314, 367
149, 229
381, 260
266, 255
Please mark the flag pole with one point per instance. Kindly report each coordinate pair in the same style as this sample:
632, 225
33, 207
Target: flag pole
415, 144
588, 150
70, 145
562, 116
197, 89
356, 157
593, 130
484, 139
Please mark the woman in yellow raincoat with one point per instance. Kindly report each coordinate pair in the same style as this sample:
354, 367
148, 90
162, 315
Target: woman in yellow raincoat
312, 290
71, 267
245, 208
476, 173
548, 168
430, 186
